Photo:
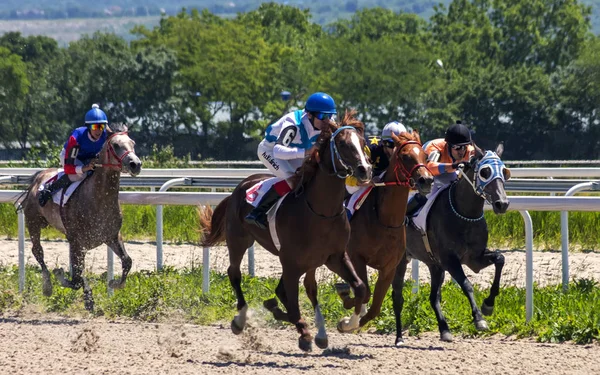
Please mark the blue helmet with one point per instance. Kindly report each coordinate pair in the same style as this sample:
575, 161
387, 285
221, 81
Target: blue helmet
95, 116
321, 103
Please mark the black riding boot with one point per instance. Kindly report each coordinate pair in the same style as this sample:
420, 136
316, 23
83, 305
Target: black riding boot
258, 216
45, 195
414, 204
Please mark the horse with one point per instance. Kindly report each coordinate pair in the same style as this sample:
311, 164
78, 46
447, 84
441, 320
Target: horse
91, 217
457, 234
377, 237
311, 224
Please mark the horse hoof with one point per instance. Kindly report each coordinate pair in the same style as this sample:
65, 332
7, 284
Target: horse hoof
235, 328
446, 336
322, 343
116, 284
486, 309
342, 289
89, 305
481, 325
399, 342
305, 345
343, 326
270, 304
47, 289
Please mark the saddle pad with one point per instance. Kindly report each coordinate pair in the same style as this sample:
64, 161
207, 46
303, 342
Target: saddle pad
58, 195
420, 221
258, 190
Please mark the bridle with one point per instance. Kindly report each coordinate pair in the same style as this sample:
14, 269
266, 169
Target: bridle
401, 170
335, 155
110, 152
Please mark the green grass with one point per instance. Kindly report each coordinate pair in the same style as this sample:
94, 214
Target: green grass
181, 225
160, 296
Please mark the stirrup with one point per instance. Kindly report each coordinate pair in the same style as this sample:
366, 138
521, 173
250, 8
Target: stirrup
256, 220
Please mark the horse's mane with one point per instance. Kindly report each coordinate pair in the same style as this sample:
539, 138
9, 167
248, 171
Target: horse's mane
407, 136
308, 169
117, 127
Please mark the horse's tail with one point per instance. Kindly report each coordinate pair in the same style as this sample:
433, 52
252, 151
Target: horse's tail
18, 204
213, 223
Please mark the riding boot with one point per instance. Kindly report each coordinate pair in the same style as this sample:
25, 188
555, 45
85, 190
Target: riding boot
414, 204
45, 195
258, 216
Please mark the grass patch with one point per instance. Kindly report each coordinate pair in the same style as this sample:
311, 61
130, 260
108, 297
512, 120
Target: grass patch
160, 296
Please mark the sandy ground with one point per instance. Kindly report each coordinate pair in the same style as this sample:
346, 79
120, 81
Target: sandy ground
53, 345
35, 343
547, 265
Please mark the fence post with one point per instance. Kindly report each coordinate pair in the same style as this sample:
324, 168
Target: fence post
21, 225
528, 265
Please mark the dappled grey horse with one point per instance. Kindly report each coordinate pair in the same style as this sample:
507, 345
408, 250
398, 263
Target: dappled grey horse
457, 234
91, 217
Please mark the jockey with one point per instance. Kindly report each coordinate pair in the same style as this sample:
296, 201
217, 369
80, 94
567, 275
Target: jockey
379, 151
287, 142
444, 155
79, 152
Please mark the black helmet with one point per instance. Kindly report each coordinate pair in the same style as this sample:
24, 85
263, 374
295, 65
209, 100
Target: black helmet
458, 135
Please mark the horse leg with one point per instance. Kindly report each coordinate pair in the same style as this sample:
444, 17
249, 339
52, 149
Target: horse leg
341, 265
343, 289
488, 258
290, 283
398, 298
455, 269
272, 305
310, 283
118, 248
435, 298
34, 229
77, 257
384, 280
236, 254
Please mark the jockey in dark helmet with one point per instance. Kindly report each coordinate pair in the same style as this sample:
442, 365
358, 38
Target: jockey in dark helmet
287, 142
443, 158
79, 152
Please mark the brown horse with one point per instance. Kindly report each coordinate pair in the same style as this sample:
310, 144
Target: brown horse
378, 231
91, 217
311, 224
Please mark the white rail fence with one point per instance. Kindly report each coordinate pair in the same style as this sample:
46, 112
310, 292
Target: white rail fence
521, 204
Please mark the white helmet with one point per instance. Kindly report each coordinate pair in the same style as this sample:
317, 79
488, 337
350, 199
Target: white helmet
395, 127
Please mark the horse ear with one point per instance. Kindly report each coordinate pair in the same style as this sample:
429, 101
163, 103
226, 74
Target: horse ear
395, 138
478, 151
500, 149
108, 129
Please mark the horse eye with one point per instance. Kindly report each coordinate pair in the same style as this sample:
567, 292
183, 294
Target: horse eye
485, 173
506, 173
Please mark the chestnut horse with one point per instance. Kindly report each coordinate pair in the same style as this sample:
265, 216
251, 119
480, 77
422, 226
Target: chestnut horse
458, 234
90, 218
378, 231
311, 224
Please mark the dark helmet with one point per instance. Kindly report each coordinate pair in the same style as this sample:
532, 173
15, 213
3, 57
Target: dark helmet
320, 102
458, 135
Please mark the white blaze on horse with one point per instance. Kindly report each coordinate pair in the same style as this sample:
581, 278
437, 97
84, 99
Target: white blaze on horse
90, 217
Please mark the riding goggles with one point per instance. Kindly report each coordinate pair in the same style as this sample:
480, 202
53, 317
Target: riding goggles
97, 126
458, 147
325, 116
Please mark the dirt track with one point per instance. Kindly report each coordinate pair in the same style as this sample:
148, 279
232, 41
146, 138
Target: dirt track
34, 343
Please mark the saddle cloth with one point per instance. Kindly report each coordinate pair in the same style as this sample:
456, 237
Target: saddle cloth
253, 197
58, 195
420, 221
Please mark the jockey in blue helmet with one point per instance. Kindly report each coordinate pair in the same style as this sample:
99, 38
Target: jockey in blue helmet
286, 144
79, 152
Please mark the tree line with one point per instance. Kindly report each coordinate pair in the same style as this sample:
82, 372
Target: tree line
523, 72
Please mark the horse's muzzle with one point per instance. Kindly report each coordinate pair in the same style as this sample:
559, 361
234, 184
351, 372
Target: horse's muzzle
134, 165
363, 173
424, 184
500, 206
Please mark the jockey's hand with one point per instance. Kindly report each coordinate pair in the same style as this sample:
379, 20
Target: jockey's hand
457, 165
89, 167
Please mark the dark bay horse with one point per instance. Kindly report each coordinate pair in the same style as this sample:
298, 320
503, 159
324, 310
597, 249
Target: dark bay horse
311, 224
90, 218
458, 234
378, 232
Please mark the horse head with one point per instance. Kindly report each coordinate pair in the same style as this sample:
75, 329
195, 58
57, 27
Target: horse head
487, 174
410, 162
119, 151
339, 150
